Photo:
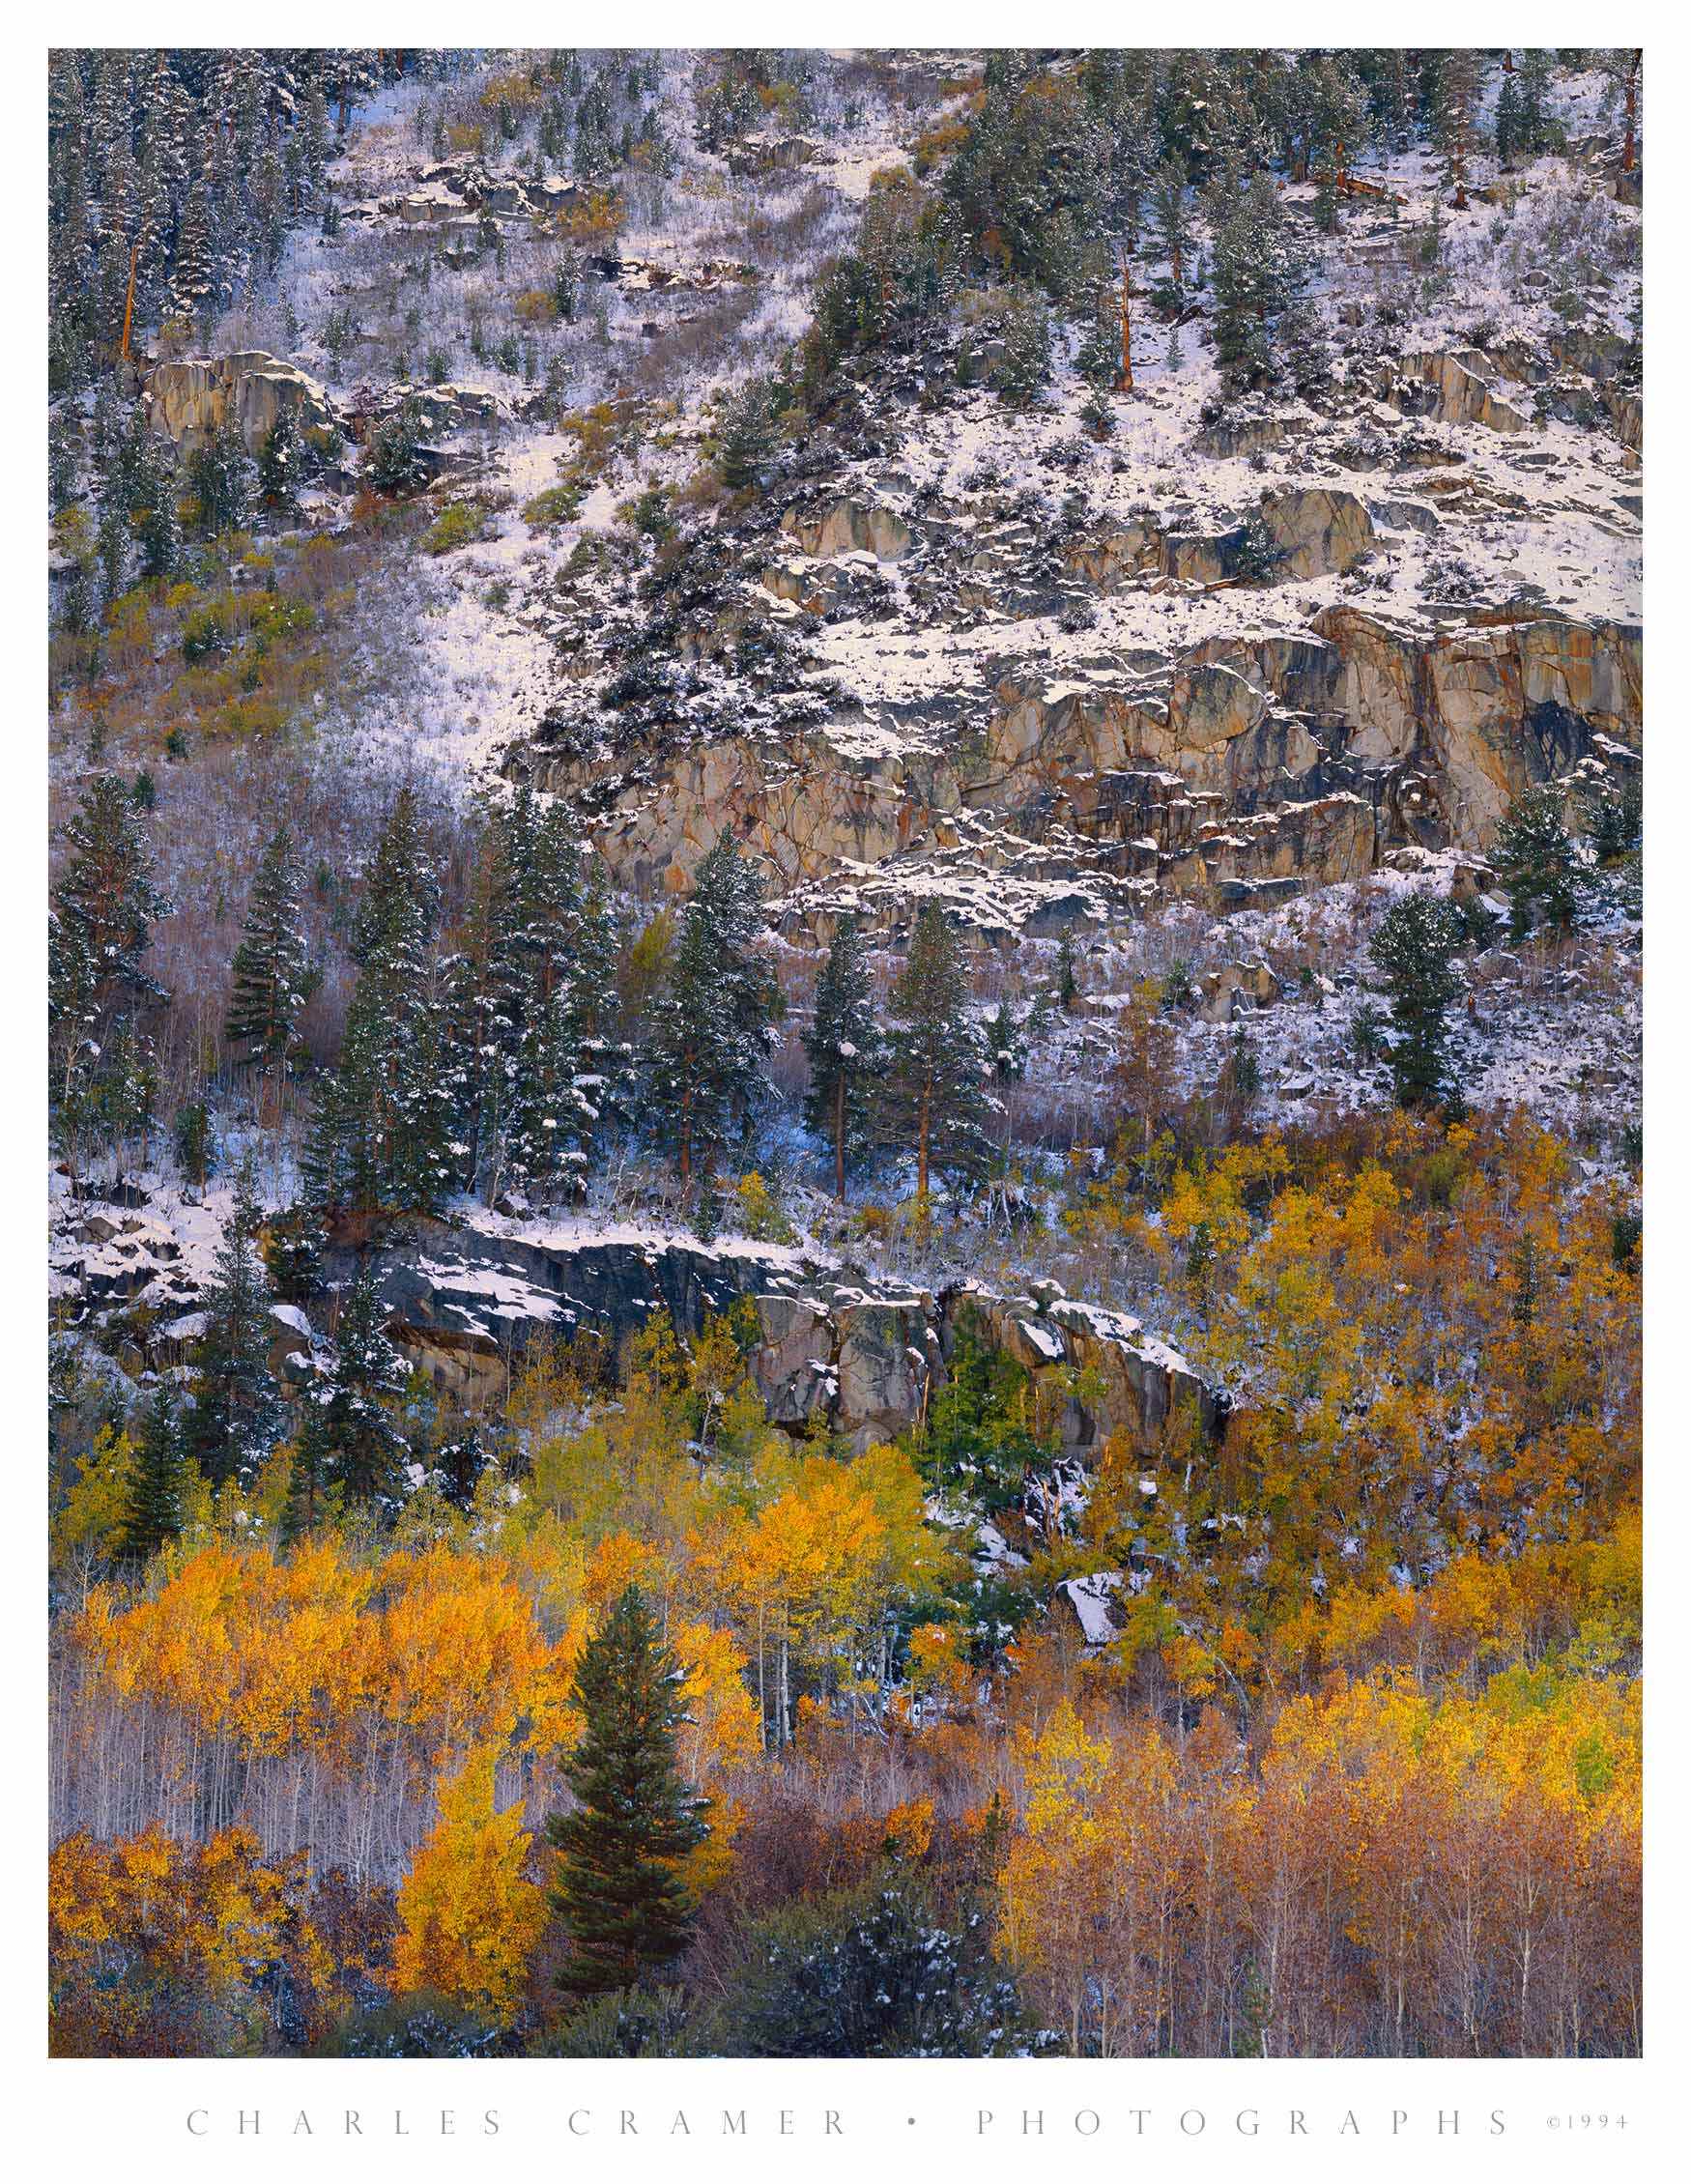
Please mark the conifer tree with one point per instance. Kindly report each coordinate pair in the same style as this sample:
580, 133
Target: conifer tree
104, 904
237, 1418
1258, 273
308, 1473
1539, 865
746, 441
363, 1444
292, 1254
280, 464
382, 1129
843, 1044
223, 480
709, 1055
936, 1097
154, 1513
617, 1894
1455, 118
190, 279
1415, 947
271, 977
1169, 209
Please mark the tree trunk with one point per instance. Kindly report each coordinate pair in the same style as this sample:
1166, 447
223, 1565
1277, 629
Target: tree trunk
1125, 378
840, 1137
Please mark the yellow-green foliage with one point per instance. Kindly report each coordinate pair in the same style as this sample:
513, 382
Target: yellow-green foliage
557, 504
460, 522
760, 1215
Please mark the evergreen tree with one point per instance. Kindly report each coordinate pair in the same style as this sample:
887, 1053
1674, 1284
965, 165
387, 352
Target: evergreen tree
308, 1473
1537, 130
383, 1124
190, 280
1455, 118
271, 976
222, 479
236, 1417
280, 465
104, 907
293, 1255
617, 1894
1065, 985
1539, 865
1169, 209
362, 1444
556, 968
1415, 947
746, 441
394, 462
936, 1097
1506, 127
153, 1513
1258, 273
710, 1044
843, 1044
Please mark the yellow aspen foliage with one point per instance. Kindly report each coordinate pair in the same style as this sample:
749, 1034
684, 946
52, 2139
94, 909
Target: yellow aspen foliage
469, 1919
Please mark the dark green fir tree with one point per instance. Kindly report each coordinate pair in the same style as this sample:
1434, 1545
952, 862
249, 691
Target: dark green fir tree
1415, 947
844, 1046
937, 1084
154, 1512
237, 1417
617, 1894
272, 979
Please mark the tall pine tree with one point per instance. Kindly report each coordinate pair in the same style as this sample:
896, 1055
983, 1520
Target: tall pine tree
271, 976
238, 1416
618, 1893
155, 1511
1414, 947
938, 1100
363, 1446
844, 1046
710, 1051
382, 1129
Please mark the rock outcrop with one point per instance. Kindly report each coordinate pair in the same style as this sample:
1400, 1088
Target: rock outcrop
192, 399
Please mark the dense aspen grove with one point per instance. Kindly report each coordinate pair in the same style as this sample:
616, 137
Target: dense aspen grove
296, 1787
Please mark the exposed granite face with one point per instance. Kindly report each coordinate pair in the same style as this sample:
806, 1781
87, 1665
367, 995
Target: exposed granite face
192, 399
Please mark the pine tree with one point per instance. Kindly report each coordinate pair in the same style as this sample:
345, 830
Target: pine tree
1169, 209
1415, 947
1065, 985
361, 1437
307, 1497
104, 904
280, 465
1507, 127
155, 1511
191, 287
843, 1044
293, 1255
1539, 865
554, 965
236, 1417
271, 976
1258, 273
223, 480
709, 1058
380, 1134
746, 441
1455, 118
936, 1098
617, 1894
